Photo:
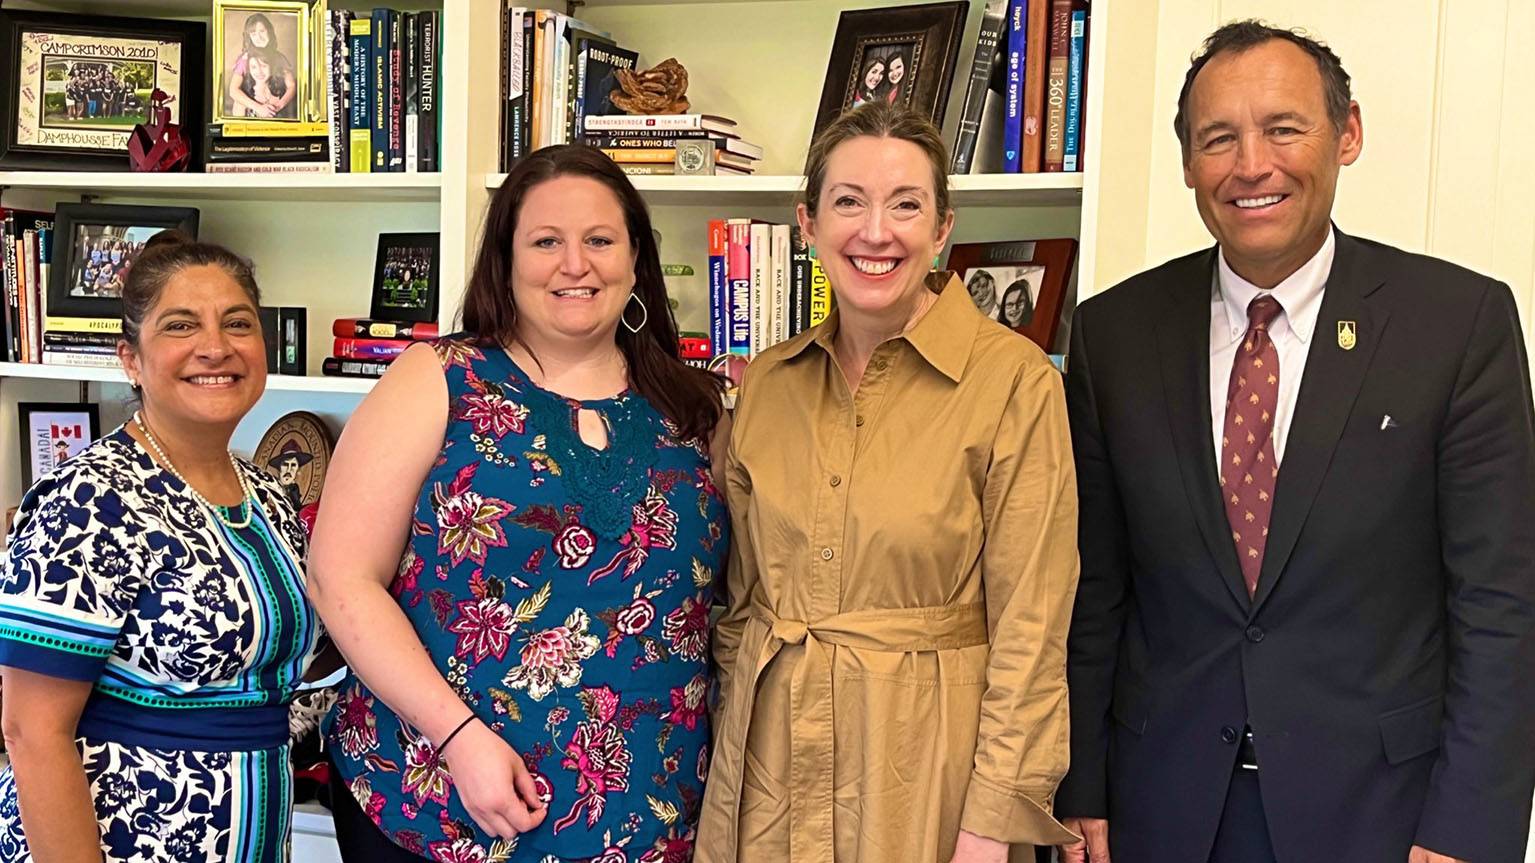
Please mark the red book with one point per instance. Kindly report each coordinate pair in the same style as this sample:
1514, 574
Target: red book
370, 349
363, 328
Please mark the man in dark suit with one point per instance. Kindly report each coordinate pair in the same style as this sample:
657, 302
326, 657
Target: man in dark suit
1305, 629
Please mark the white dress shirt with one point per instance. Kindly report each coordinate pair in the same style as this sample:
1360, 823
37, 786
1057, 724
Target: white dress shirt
1300, 298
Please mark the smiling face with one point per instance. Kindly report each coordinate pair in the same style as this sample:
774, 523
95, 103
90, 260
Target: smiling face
200, 358
572, 263
878, 225
260, 71
260, 36
897, 70
1264, 157
873, 74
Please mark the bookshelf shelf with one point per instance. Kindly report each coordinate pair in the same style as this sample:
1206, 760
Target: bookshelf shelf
340, 188
281, 383
973, 190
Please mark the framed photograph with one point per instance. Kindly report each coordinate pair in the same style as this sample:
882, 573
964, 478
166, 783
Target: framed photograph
1020, 284
405, 278
93, 247
72, 87
903, 54
262, 59
52, 432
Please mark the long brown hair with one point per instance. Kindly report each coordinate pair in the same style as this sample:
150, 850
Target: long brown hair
688, 397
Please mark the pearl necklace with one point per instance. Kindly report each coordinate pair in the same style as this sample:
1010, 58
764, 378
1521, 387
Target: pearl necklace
245, 490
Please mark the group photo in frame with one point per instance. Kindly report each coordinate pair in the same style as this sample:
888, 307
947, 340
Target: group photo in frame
72, 87
904, 55
94, 247
1020, 284
53, 432
405, 280
263, 57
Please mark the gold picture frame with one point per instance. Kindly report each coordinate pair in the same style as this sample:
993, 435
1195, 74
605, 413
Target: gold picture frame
272, 82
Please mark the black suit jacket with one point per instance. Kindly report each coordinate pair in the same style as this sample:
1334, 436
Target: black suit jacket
1387, 662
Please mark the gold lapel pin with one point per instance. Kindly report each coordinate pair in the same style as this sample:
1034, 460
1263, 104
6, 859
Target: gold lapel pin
1348, 335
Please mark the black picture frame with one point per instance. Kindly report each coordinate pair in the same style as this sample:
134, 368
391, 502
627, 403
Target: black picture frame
86, 413
17, 153
388, 303
67, 294
927, 37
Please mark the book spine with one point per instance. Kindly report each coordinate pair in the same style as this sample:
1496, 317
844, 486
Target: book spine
77, 359
1012, 124
1058, 64
13, 244
779, 328
379, 112
231, 148
60, 324
430, 25
799, 282
625, 123
75, 348
504, 88
761, 286
558, 77
368, 349
820, 293
1071, 160
410, 55
30, 269
719, 295
12, 290
337, 367
364, 328
321, 167
53, 339
1034, 86
359, 119
738, 273
396, 95
642, 169
529, 34
268, 129
516, 104
992, 23
338, 37
665, 155
576, 104
540, 80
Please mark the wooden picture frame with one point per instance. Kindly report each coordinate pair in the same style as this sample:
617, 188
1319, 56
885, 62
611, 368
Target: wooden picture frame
83, 285
52, 432
289, 27
1021, 284
412, 256
917, 46
72, 87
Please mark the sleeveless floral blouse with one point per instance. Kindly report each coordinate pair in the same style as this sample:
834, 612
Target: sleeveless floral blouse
564, 591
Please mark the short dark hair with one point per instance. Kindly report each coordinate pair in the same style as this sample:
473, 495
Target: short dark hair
1239, 36
689, 397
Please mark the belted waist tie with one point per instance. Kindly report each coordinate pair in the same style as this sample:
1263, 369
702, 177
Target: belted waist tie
812, 747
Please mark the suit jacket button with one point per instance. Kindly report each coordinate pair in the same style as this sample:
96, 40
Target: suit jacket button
1255, 634
1229, 735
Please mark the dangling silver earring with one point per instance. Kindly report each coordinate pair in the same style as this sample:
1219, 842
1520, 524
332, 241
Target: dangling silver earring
644, 315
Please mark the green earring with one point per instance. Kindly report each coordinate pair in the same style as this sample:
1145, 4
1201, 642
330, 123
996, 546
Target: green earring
812, 253
935, 261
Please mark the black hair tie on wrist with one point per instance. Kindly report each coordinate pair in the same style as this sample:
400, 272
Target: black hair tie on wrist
437, 755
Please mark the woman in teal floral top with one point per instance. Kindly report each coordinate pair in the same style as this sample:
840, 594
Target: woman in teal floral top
517, 552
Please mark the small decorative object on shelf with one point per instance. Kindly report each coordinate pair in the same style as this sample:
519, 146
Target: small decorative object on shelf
405, 279
695, 157
286, 332
1020, 284
52, 432
903, 55
158, 145
296, 450
659, 90
72, 87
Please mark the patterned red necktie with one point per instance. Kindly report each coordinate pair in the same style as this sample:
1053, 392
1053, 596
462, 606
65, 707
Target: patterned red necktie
1249, 470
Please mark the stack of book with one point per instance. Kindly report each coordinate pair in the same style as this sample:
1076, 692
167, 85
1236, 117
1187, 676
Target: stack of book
26, 239
364, 348
268, 147
656, 143
1023, 109
81, 342
764, 286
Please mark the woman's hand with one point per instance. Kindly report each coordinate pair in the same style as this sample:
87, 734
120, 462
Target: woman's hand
978, 849
493, 782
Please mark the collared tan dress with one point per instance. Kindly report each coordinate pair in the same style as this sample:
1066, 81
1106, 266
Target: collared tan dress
892, 658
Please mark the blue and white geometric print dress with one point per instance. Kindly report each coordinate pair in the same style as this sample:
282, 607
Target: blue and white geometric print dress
195, 635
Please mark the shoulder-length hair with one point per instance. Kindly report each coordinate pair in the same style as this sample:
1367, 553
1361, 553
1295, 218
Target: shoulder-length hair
689, 397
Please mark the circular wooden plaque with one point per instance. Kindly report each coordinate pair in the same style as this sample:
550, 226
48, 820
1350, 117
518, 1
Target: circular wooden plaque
296, 450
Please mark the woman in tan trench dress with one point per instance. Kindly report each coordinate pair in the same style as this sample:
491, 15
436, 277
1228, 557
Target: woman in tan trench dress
892, 656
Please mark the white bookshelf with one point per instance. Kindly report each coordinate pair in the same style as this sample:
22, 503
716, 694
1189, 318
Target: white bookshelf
340, 188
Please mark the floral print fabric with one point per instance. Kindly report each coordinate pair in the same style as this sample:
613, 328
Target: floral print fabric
580, 637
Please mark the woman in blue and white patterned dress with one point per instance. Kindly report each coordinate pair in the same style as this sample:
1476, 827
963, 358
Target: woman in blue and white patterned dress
153, 619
